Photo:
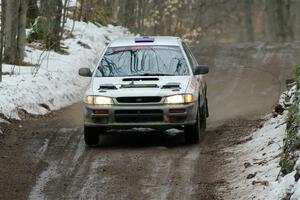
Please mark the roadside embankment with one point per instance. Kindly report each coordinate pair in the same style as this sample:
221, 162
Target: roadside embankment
50, 80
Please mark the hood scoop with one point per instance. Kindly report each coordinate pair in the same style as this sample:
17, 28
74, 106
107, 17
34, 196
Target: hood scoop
171, 86
140, 79
107, 87
140, 86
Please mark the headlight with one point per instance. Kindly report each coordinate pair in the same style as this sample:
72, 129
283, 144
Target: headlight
179, 99
98, 100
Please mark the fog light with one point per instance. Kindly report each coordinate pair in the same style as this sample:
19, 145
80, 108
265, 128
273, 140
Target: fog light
100, 112
188, 98
177, 110
89, 100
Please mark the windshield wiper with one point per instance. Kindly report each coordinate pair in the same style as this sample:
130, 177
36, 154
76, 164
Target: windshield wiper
154, 74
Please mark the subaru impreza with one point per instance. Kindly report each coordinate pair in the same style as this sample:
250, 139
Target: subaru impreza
151, 82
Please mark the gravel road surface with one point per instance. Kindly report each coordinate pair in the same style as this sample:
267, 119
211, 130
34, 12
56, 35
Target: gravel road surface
44, 157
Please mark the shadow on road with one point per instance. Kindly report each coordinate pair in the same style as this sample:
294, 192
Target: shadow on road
137, 139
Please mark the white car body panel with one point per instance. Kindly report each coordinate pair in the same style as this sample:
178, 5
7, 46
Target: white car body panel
183, 81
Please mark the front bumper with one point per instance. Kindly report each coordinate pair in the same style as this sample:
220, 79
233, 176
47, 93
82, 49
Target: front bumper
148, 116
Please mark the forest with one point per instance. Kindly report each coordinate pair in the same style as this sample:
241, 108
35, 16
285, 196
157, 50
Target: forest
217, 21
202, 20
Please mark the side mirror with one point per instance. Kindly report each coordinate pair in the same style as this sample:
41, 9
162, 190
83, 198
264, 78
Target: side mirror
201, 69
85, 72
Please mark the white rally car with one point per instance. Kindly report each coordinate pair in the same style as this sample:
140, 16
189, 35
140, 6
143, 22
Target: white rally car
152, 82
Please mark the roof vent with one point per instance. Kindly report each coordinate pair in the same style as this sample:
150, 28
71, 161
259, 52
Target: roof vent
140, 79
144, 39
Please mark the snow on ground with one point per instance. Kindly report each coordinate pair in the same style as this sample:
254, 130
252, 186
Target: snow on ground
257, 160
57, 83
72, 3
279, 189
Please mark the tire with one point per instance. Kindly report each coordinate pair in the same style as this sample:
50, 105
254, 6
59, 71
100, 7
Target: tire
203, 116
207, 112
91, 136
192, 132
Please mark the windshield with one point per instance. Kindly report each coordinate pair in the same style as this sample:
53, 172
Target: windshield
143, 61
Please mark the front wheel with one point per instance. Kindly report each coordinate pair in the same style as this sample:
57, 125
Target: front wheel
91, 136
192, 132
203, 116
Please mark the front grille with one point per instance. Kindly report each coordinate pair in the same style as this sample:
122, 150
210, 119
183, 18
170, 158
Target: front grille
138, 99
138, 116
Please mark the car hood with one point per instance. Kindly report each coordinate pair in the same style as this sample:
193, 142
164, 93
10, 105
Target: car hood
140, 86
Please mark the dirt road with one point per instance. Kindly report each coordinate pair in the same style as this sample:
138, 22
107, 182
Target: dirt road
45, 157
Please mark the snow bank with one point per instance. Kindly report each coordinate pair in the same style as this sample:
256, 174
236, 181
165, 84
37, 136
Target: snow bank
288, 186
257, 160
57, 83
296, 191
281, 188
260, 175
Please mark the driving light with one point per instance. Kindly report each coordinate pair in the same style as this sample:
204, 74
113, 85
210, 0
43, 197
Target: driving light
179, 99
89, 99
98, 100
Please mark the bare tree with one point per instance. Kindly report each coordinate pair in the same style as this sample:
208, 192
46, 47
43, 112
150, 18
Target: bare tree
15, 36
64, 17
116, 11
82, 4
158, 15
51, 12
32, 13
249, 29
3, 8
129, 17
278, 27
74, 18
218, 20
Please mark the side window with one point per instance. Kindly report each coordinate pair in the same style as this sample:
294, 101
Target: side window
194, 59
190, 56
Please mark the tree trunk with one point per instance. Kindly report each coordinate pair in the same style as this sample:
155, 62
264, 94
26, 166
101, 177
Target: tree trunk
116, 11
143, 16
249, 30
129, 14
21, 39
64, 18
3, 8
33, 12
56, 28
50, 23
74, 18
278, 27
15, 37
87, 10
295, 15
80, 10
139, 15
122, 13
10, 46
158, 6
288, 21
